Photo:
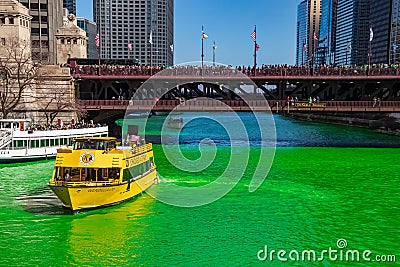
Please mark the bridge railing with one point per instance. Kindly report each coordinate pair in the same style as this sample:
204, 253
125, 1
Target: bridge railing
256, 104
266, 71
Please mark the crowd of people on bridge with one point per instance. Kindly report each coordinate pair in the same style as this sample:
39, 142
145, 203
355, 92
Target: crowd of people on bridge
220, 70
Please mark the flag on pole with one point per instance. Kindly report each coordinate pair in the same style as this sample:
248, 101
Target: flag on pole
254, 36
97, 40
304, 47
172, 47
130, 47
371, 34
395, 46
257, 47
203, 35
315, 37
151, 37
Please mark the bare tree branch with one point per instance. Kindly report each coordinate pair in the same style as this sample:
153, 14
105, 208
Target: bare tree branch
18, 74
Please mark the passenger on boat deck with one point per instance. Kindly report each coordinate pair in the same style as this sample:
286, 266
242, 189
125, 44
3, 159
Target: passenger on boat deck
67, 177
101, 146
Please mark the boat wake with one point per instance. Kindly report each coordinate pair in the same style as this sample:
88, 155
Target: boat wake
44, 203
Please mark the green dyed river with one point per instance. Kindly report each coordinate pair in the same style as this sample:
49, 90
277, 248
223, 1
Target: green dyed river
329, 188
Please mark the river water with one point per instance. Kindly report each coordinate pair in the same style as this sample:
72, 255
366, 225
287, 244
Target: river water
326, 183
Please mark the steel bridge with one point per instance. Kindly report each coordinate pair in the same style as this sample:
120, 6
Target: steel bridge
237, 105
275, 83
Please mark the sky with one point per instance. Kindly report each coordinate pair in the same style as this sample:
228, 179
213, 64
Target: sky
230, 23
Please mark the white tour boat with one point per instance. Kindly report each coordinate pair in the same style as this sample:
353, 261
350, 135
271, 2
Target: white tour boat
18, 143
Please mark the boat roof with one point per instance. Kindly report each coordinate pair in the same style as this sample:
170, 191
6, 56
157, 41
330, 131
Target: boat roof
81, 139
15, 120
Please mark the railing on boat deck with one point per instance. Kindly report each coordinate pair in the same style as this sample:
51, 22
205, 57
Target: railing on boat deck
86, 183
142, 149
5, 138
99, 183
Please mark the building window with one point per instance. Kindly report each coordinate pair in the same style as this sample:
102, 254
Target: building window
35, 31
11, 20
3, 41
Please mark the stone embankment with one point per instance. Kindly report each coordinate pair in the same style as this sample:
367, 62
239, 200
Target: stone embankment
388, 123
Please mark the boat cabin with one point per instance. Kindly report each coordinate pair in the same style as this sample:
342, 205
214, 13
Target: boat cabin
100, 143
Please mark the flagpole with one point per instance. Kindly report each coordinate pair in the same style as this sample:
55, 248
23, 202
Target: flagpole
313, 54
369, 54
214, 47
99, 56
371, 36
202, 48
255, 50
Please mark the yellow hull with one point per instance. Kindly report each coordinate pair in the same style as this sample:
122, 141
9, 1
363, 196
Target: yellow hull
86, 196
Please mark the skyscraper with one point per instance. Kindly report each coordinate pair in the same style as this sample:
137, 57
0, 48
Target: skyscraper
302, 36
352, 31
327, 37
147, 25
308, 20
380, 20
70, 5
314, 16
91, 31
395, 33
47, 17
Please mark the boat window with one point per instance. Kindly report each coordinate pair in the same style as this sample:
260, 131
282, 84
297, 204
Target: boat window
139, 169
20, 143
113, 173
34, 143
57, 174
95, 145
127, 175
86, 174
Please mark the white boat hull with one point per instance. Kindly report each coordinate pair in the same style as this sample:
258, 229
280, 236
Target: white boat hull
25, 154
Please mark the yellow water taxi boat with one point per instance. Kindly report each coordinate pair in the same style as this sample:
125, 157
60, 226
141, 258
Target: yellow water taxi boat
94, 172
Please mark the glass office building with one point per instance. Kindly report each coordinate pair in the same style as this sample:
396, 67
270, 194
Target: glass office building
136, 22
302, 36
327, 39
352, 31
394, 55
91, 31
380, 19
70, 5
314, 17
